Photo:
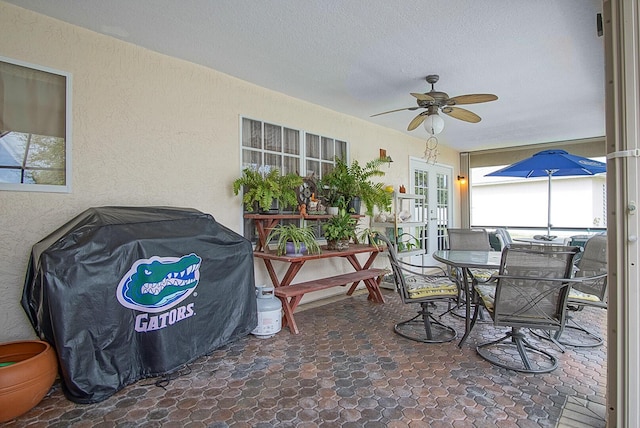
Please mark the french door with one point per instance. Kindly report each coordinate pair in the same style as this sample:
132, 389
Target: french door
435, 183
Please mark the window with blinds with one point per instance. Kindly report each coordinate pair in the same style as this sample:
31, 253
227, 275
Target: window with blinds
35, 120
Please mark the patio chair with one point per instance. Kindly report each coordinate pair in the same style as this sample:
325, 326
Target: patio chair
494, 241
468, 239
426, 289
577, 241
471, 239
504, 237
532, 290
589, 289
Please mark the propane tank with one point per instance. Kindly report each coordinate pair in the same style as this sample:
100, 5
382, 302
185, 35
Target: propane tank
269, 312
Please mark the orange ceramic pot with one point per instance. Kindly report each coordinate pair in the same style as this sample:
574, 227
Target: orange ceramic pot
25, 382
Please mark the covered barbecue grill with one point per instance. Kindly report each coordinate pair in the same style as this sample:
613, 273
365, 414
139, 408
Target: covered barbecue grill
125, 293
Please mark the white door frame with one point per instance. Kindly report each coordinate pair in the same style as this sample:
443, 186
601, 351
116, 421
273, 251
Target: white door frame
433, 221
621, 20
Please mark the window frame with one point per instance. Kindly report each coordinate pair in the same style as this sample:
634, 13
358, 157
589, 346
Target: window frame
302, 152
49, 188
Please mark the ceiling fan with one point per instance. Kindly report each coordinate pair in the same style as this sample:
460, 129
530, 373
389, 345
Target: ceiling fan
435, 101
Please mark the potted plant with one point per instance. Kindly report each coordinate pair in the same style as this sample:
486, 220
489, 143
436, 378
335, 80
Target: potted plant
331, 197
369, 236
339, 229
294, 240
261, 190
353, 183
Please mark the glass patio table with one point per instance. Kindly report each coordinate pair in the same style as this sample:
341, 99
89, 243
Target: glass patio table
555, 241
465, 260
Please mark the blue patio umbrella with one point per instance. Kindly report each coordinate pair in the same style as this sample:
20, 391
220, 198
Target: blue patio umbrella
548, 163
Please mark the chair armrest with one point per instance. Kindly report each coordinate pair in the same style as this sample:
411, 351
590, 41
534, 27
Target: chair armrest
532, 278
402, 265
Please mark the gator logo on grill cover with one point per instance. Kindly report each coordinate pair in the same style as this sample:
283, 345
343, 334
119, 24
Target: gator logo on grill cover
159, 283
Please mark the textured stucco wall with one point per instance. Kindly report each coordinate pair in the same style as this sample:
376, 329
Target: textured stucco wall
153, 130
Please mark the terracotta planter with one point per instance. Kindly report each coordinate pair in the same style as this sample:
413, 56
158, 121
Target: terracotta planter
25, 382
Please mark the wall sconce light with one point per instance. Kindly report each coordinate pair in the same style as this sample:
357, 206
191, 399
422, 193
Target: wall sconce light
462, 179
384, 157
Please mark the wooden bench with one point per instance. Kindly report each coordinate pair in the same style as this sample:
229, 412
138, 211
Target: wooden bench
290, 295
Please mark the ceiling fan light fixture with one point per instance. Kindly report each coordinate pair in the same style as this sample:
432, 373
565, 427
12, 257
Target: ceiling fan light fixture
434, 124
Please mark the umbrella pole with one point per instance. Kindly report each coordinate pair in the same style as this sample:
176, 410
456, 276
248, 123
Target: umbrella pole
549, 205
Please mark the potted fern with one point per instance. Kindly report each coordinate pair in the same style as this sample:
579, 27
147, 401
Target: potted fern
294, 240
353, 182
339, 229
260, 191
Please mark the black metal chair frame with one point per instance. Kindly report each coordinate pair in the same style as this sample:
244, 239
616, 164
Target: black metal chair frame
590, 279
524, 300
423, 327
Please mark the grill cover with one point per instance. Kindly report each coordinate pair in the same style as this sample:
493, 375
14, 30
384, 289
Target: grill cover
125, 293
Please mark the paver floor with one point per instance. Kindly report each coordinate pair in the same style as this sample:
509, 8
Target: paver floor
346, 368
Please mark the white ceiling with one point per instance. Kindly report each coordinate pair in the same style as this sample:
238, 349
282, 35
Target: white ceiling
542, 58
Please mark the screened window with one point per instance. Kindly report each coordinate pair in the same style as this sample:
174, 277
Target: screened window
35, 120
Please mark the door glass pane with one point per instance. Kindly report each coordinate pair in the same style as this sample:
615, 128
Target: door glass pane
443, 208
421, 180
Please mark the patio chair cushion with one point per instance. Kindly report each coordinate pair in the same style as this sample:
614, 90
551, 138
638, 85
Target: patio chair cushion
579, 295
483, 275
419, 287
480, 275
487, 293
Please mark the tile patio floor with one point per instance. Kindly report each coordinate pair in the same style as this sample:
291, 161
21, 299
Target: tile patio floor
347, 368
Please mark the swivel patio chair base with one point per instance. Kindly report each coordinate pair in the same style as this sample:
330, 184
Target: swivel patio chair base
425, 328
573, 334
517, 354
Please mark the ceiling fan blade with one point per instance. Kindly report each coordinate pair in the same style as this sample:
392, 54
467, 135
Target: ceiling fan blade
399, 109
471, 99
423, 97
417, 121
462, 114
